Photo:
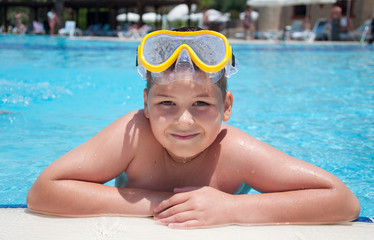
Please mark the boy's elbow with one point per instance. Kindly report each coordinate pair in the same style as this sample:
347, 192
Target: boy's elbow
34, 199
353, 209
350, 207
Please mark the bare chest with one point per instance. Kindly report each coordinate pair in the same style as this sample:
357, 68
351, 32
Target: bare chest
152, 172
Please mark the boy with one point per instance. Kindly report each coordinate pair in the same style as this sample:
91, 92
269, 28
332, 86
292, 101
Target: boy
183, 165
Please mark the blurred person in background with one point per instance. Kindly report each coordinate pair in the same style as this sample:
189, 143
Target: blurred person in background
248, 23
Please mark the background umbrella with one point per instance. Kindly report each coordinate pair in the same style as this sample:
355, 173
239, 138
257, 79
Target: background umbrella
151, 17
263, 3
269, 3
217, 16
180, 12
130, 17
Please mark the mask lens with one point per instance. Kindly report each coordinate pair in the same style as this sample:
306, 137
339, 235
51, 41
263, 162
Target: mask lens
210, 50
200, 77
159, 48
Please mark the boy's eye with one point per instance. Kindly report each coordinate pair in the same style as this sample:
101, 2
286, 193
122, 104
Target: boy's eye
167, 103
201, 103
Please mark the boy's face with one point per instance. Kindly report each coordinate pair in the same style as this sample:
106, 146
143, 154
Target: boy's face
185, 116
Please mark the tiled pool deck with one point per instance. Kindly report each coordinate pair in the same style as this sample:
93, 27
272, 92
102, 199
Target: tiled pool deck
19, 224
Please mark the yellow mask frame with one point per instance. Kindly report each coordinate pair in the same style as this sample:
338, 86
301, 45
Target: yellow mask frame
227, 59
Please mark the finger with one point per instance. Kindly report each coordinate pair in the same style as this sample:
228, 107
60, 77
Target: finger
177, 218
174, 210
174, 200
194, 223
185, 225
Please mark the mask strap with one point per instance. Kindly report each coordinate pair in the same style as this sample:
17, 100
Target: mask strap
136, 63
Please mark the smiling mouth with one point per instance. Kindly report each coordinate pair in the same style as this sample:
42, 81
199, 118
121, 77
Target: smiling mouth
184, 136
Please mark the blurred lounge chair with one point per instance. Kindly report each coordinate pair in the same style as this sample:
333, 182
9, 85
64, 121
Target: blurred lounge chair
319, 32
297, 26
70, 29
92, 30
268, 35
359, 34
106, 31
122, 31
100, 30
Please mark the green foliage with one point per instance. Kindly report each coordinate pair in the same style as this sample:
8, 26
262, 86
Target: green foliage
237, 5
234, 14
82, 18
206, 4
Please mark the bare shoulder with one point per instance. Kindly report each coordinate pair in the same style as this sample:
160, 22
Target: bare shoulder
238, 139
131, 119
123, 132
266, 168
106, 154
239, 148
127, 129
120, 140
249, 148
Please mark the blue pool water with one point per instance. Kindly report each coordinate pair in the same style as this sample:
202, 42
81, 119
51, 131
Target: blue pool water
312, 102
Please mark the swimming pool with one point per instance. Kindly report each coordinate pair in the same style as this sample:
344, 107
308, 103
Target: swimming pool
312, 102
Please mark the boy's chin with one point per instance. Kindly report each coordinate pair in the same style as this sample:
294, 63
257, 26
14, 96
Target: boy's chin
184, 156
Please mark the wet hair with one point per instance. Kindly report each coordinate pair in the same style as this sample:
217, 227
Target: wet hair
221, 83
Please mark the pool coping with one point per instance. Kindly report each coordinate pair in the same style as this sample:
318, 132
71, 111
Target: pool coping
24, 206
19, 223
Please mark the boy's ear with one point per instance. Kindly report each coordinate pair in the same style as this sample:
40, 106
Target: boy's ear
228, 106
145, 96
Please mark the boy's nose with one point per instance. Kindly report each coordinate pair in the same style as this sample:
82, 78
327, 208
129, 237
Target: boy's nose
186, 118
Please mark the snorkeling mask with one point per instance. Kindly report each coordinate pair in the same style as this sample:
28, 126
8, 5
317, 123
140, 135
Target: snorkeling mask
199, 52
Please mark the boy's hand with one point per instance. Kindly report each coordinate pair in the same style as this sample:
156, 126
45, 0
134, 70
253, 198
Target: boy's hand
193, 207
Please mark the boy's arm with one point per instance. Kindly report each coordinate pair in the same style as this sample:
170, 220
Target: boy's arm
293, 192
79, 198
73, 184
